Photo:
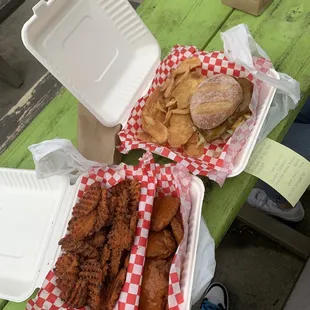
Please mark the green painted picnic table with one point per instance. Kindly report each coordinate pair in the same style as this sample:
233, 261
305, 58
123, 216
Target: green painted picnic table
283, 31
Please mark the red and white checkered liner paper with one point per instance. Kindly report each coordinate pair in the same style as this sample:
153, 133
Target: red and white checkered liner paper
174, 179
217, 160
170, 179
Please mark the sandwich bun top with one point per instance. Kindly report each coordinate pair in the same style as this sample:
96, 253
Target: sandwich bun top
215, 99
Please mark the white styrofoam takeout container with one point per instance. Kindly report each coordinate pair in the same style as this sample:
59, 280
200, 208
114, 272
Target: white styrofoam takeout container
266, 95
106, 57
33, 217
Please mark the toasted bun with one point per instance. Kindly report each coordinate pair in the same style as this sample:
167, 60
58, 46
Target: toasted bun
216, 98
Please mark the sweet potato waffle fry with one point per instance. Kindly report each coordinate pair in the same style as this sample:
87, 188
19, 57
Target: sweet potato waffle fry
96, 245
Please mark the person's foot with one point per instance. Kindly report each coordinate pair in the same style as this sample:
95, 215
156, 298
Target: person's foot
216, 297
260, 200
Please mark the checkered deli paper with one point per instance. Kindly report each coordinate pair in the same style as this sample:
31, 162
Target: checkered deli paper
156, 180
218, 158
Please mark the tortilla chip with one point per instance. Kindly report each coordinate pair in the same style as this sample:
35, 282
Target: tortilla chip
180, 77
168, 87
166, 114
152, 100
193, 147
180, 111
160, 116
167, 118
149, 120
183, 92
187, 65
160, 107
198, 76
180, 130
156, 129
145, 137
171, 103
193, 150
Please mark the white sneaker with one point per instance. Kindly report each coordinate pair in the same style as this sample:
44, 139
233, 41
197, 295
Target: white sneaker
260, 200
216, 297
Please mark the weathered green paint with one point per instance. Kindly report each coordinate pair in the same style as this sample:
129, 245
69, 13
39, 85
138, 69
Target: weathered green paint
58, 119
19, 305
283, 31
186, 22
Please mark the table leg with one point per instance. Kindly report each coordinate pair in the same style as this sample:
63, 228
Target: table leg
282, 234
8, 74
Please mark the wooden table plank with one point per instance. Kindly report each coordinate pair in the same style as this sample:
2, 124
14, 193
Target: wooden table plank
58, 119
172, 22
283, 32
19, 305
186, 22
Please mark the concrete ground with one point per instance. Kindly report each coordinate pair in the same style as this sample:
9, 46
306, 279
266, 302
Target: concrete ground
18, 106
257, 272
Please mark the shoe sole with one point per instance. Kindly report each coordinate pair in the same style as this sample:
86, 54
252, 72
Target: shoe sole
288, 218
224, 289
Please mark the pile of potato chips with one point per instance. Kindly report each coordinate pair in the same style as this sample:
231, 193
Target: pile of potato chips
166, 116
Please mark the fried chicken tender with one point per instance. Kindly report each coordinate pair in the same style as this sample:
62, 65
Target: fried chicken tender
160, 244
177, 228
89, 200
155, 282
115, 289
83, 226
103, 211
66, 263
164, 209
82, 248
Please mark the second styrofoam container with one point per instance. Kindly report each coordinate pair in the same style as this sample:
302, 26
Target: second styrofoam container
33, 217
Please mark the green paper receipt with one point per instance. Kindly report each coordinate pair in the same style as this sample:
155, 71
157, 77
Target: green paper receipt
280, 167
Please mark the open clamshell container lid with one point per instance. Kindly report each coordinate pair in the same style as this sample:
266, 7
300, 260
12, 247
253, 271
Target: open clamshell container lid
101, 51
33, 217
